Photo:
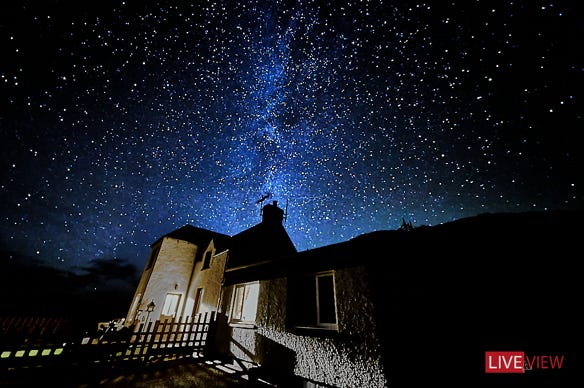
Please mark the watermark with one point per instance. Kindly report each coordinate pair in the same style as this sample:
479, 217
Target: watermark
519, 362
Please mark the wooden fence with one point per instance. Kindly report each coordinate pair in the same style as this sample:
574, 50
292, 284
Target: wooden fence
31, 328
32, 341
190, 337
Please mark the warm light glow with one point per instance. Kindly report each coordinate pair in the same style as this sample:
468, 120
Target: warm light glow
245, 302
170, 304
5, 354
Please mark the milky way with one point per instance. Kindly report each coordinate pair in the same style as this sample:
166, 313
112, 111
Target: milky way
122, 121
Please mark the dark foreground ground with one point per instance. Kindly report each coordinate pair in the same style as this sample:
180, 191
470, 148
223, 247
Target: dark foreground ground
180, 373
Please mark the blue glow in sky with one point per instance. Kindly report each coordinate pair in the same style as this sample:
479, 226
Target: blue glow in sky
124, 121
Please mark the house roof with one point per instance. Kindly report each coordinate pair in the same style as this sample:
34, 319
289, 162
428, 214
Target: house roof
258, 243
504, 240
268, 239
198, 236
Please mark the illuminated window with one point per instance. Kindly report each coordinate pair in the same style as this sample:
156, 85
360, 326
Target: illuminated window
245, 303
207, 260
312, 301
170, 305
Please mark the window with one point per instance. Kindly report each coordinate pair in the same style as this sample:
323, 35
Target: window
152, 258
134, 308
198, 298
207, 260
170, 306
312, 301
245, 303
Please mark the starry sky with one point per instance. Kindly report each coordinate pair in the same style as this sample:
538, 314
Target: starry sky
124, 120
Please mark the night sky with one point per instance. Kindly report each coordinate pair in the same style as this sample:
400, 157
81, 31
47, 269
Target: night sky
124, 120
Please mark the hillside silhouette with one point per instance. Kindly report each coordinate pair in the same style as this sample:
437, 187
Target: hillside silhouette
100, 291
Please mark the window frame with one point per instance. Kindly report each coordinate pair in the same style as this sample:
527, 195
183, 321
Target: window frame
238, 321
198, 300
153, 256
207, 260
166, 305
319, 324
296, 316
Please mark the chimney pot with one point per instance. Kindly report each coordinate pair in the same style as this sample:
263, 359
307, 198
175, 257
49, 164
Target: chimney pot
272, 214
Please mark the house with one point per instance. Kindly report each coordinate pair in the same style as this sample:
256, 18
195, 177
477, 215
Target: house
410, 307
182, 276
184, 272
398, 308
310, 319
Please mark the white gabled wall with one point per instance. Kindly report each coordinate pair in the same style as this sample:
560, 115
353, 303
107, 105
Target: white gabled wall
170, 273
174, 270
209, 280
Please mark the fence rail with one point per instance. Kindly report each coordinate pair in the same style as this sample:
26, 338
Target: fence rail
190, 337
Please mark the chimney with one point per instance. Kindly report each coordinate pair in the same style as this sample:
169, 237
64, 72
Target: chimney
272, 214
